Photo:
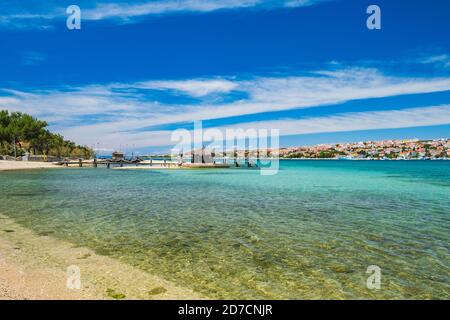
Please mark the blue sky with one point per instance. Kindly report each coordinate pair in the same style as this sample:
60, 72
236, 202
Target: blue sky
137, 70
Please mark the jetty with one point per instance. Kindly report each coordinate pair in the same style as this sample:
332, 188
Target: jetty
194, 159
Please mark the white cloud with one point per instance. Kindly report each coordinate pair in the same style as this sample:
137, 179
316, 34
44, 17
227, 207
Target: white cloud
299, 3
126, 11
356, 121
120, 112
18, 17
442, 60
391, 119
9, 101
195, 88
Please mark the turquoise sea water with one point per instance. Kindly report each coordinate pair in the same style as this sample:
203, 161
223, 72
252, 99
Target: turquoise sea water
310, 231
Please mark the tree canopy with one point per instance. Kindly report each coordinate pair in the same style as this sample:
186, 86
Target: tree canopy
29, 134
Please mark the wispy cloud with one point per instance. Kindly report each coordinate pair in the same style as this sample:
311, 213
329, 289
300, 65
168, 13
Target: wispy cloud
127, 11
300, 3
120, 112
33, 58
441, 60
345, 122
355, 121
195, 88
20, 16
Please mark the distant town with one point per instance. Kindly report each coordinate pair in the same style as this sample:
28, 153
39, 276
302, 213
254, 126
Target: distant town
414, 149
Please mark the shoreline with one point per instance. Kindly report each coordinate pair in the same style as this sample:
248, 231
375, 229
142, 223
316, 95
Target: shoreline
6, 165
34, 267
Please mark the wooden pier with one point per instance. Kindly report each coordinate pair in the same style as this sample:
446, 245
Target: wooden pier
96, 162
159, 164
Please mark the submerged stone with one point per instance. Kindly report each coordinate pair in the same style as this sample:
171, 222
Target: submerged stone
157, 290
115, 295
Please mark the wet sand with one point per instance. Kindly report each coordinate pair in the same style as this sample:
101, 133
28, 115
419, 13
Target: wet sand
35, 267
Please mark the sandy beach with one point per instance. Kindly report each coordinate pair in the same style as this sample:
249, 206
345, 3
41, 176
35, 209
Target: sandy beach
35, 266
20, 165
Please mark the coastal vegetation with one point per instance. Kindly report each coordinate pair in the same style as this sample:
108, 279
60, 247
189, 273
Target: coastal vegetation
323, 154
21, 133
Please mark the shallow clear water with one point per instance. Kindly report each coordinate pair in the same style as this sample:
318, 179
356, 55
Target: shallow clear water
310, 231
